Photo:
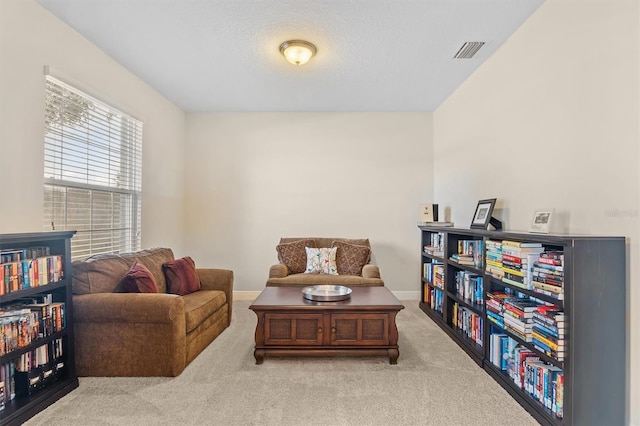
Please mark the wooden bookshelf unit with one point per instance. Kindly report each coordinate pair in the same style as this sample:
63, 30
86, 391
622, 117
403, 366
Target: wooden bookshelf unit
574, 373
39, 369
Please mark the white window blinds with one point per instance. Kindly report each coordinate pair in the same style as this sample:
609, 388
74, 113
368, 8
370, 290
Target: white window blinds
92, 172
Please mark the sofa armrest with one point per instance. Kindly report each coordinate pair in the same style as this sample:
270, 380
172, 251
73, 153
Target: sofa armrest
218, 279
278, 271
128, 307
370, 271
128, 334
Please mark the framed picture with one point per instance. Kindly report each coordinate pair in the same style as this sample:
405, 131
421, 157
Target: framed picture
541, 222
482, 216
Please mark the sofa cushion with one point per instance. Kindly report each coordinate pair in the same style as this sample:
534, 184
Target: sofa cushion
181, 276
200, 305
294, 255
321, 261
102, 273
350, 258
138, 280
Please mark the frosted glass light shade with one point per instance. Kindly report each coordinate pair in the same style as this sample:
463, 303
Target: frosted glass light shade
298, 52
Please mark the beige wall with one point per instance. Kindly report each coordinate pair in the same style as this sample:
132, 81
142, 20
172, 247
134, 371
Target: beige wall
30, 38
254, 177
552, 119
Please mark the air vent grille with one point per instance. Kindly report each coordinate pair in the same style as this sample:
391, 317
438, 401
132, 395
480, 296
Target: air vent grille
468, 49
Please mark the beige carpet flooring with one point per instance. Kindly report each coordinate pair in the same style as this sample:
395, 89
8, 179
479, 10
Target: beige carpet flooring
434, 383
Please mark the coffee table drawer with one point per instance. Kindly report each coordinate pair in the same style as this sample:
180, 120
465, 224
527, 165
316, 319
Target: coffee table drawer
297, 329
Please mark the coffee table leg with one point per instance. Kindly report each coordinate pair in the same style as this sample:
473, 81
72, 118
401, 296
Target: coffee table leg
258, 354
393, 356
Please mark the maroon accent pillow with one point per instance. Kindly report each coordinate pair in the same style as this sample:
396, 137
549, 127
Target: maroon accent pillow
351, 258
294, 255
138, 280
181, 276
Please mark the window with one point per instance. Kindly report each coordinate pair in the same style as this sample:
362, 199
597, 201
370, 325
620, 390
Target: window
92, 172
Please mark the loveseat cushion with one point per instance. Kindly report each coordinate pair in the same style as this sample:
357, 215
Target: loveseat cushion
321, 261
351, 258
294, 255
297, 280
200, 305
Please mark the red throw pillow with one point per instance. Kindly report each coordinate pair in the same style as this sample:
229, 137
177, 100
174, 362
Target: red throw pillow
181, 276
138, 280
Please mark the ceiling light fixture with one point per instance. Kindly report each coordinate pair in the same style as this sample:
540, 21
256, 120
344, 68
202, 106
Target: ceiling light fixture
298, 52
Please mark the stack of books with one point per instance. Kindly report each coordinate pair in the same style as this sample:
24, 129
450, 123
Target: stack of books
548, 331
548, 274
517, 260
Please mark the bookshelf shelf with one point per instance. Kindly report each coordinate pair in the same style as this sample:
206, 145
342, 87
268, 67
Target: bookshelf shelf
584, 383
57, 374
475, 307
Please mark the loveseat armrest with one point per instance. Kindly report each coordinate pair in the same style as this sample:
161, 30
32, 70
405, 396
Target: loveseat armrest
128, 307
370, 271
218, 279
278, 271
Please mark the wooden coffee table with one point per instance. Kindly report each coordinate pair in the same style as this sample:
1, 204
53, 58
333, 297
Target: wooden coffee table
289, 324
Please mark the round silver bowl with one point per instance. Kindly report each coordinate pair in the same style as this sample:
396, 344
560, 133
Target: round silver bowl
326, 293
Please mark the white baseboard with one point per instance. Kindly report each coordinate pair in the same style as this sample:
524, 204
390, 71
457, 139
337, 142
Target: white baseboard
251, 295
407, 295
245, 295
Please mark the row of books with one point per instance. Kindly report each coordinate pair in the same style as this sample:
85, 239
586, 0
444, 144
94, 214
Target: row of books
548, 332
32, 371
27, 273
435, 247
541, 381
469, 253
434, 273
526, 265
507, 312
14, 255
23, 323
469, 287
542, 325
468, 322
436, 298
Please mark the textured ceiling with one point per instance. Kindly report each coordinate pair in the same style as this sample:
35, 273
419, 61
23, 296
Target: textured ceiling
222, 55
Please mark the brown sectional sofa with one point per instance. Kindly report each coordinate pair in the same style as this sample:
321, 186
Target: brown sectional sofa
280, 276
144, 334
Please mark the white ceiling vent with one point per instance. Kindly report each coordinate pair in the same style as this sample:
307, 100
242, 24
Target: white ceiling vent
468, 49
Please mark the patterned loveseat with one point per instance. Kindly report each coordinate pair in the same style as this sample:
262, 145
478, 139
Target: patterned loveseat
352, 257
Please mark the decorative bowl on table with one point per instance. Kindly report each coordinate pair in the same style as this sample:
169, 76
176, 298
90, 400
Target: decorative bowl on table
326, 293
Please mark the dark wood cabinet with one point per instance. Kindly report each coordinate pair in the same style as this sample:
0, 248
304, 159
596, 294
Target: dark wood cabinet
57, 377
593, 301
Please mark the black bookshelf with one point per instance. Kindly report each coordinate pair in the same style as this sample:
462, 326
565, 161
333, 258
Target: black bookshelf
23, 407
595, 327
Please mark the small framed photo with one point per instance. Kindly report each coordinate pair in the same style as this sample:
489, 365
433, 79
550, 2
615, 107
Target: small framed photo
541, 222
482, 216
